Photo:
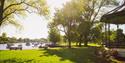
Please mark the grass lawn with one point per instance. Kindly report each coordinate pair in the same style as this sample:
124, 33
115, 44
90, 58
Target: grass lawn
53, 55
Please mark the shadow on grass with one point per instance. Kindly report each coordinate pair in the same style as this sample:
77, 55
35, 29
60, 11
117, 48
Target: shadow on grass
76, 55
14, 60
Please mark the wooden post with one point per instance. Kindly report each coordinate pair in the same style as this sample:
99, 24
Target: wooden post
108, 34
117, 36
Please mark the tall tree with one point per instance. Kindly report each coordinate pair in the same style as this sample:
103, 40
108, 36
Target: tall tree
54, 35
10, 8
80, 15
92, 12
67, 19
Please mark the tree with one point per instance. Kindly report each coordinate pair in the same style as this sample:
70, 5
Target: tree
10, 8
67, 19
96, 33
4, 38
20, 40
13, 40
54, 35
80, 16
91, 15
120, 37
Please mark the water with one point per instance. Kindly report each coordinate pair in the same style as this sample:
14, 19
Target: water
31, 46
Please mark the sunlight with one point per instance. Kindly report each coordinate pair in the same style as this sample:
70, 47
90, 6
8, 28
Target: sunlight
62, 31
34, 26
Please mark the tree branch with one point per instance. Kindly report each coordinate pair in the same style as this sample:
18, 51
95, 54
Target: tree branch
14, 12
101, 4
22, 2
13, 5
30, 5
9, 14
93, 8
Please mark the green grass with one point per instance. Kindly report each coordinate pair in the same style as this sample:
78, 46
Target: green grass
74, 44
53, 55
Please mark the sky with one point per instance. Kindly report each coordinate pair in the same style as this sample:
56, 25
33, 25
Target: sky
35, 26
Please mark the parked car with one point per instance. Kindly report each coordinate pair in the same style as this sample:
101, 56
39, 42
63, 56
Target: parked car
52, 44
43, 45
14, 47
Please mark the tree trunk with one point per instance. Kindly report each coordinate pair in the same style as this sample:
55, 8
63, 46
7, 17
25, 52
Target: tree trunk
69, 34
80, 40
69, 43
86, 41
1, 11
80, 43
76, 43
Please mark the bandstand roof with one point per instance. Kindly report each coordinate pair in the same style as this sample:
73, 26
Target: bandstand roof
117, 17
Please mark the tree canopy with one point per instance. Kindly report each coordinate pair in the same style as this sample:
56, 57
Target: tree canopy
77, 17
54, 35
10, 8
